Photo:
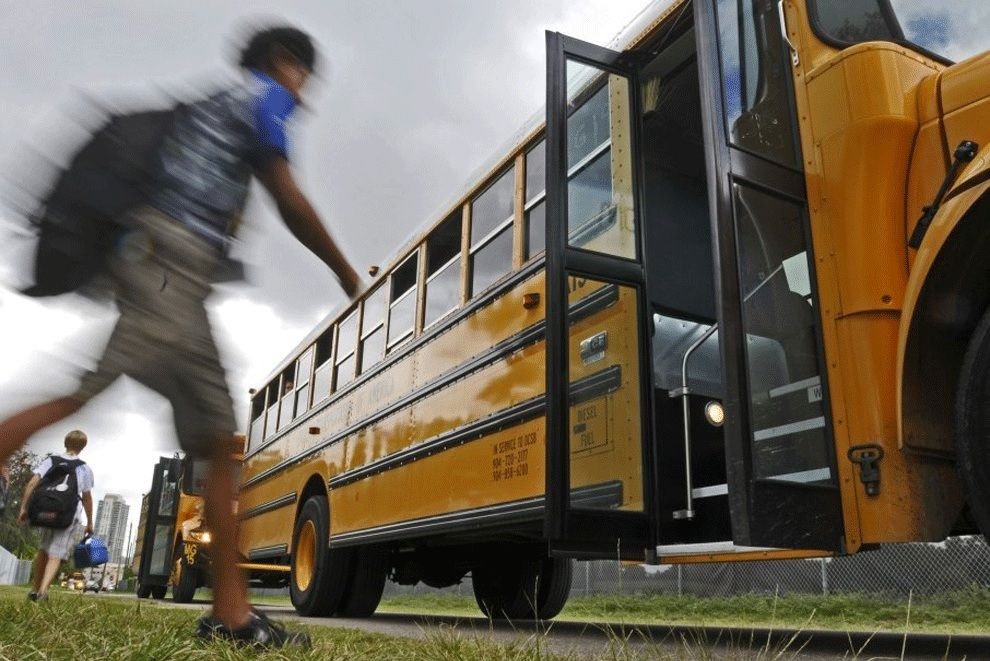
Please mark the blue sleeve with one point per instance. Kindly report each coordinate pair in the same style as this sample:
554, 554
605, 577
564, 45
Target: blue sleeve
273, 108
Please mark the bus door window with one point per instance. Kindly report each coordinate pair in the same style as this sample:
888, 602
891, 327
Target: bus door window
402, 306
287, 396
756, 79
443, 262
789, 436
535, 208
271, 418
491, 232
324, 366
257, 432
373, 328
303, 368
600, 209
346, 350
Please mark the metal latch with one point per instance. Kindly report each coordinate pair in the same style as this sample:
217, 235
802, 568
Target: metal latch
593, 348
868, 457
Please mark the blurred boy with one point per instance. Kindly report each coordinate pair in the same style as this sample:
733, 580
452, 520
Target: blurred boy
162, 269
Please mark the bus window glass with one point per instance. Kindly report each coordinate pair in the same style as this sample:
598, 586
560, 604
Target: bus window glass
287, 398
321, 376
755, 80
536, 221
303, 367
373, 328
493, 207
257, 419
854, 21
491, 261
600, 202
271, 419
535, 211
443, 279
443, 291
402, 309
346, 345
787, 409
194, 476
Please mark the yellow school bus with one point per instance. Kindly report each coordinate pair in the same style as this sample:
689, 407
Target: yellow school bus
173, 540
730, 302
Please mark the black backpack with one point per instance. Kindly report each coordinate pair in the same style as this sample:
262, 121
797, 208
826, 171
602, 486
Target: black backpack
55, 499
78, 221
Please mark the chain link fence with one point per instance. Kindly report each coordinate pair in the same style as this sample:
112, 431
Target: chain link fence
895, 570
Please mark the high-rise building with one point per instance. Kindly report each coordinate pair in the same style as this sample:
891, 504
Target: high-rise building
111, 525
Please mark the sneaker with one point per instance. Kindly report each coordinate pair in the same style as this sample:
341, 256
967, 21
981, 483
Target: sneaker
37, 596
260, 632
32, 596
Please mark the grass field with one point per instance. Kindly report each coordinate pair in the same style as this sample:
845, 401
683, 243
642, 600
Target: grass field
76, 626
966, 611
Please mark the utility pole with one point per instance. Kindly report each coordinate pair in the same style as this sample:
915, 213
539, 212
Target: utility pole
127, 553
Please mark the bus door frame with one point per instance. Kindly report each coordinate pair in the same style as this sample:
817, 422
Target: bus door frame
172, 466
765, 513
573, 531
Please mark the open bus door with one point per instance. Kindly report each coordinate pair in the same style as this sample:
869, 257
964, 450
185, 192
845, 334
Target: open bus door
691, 218
155, 565
599, 493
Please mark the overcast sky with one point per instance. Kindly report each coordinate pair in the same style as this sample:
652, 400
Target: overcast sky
415, 97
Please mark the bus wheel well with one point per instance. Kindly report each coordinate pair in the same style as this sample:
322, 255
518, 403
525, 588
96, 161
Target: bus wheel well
954, 297
315, 486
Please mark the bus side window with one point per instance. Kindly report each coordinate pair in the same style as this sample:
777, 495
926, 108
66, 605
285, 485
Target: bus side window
271, 420
443, 262
287, 396
535, 208
258, 418
324, 368
303, 367
402, 306
373, 328
346, 348
491, 232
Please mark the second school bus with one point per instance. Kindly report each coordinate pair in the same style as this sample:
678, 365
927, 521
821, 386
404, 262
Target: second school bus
730, 302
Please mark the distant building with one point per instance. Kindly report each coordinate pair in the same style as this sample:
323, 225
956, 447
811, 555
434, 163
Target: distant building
111, 525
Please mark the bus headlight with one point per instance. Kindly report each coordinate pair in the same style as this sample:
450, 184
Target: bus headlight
201, 536
714, 413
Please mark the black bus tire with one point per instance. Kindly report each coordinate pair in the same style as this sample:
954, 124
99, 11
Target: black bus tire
184, 587
504, 586
366, 583
973, 424
318, 575
554, 587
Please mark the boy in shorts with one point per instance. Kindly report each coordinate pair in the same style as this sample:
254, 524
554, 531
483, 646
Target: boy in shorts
162, 270
57, 543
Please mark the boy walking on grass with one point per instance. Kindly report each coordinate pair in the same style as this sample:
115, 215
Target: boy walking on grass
162, 269
57, 543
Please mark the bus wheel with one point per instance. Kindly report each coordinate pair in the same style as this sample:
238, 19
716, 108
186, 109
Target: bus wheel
318, 575
554, 587
522, 586
158, 591
366, 584
973, 424
184, 579
143, 591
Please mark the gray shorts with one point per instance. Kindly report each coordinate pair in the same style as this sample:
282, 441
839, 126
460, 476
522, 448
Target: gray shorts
161, 272
60, 542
